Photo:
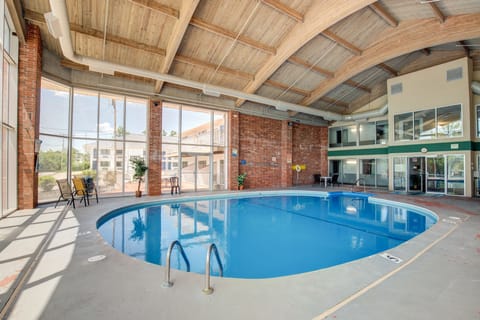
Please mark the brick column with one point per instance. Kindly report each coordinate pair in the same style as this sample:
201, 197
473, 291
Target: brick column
29, 84
155, 148
286, 154
233, 145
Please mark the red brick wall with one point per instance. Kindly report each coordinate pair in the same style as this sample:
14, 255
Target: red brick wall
29, 85
260, 146
309, 148
154, 171
233, 151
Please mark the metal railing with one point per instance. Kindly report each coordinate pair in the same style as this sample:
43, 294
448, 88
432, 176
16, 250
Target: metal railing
357, 181
208, 289
167, 283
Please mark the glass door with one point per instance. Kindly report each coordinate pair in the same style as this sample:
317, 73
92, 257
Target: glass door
399, 174
456, 174
416, 174
435, 174
195, 171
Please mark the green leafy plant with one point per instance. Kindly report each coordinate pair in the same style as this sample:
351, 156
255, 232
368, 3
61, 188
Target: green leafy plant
138, 164
241, 178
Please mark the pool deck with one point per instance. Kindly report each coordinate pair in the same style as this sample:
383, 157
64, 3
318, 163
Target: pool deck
438, 276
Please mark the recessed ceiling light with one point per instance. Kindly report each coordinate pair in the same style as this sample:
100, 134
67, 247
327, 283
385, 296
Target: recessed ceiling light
428, 1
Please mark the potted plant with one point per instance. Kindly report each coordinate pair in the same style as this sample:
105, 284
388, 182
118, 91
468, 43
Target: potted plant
241, 180
138, 164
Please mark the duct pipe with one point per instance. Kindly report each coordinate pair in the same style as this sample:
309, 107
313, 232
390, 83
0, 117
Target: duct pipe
57, 21
475, 87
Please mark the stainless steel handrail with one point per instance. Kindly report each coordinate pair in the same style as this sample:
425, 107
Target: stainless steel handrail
208, 289
167, 283
357, 181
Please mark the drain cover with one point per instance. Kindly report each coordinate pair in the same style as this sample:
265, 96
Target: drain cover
391, 258
100, 257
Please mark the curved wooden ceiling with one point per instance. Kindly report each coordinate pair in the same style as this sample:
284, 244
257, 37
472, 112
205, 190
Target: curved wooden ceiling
328, 54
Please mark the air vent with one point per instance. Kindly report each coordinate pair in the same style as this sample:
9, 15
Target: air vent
396, 88
455, 74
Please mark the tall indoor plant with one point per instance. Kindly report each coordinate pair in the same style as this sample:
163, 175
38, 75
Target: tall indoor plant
138, 164
241, 180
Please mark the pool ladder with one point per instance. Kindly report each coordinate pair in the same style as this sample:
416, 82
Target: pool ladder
358, 182
208, 289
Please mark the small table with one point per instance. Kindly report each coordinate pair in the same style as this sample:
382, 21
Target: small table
325, 180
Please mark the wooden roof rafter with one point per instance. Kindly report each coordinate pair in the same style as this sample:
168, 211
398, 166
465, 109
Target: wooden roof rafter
358, 86
306, 64
320, 16
285, 87
438, 13
181, 25
212, 66
344, 43
201, 24
464, 46
384, 14
277, 5
388, 69
420, 34
154, 5
38, 18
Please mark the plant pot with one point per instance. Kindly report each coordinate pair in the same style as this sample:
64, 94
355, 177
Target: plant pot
240, 187
138, 194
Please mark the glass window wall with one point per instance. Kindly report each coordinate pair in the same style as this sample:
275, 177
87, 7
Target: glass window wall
400, 174
456, 174
425, 127
403, 126
478, 121
193, 147
367, 133
106, 131
449, 121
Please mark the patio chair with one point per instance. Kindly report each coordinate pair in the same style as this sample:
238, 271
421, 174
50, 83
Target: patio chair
91, 188
174, 185
334, 180
81, 190
66, 192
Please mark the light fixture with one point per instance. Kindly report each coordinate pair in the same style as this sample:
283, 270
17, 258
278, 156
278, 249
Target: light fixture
53, 25
428, 1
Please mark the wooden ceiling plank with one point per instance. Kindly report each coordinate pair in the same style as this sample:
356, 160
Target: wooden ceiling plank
357, 85
320, 16
344, 43
438, 13
201, 24
277, 5
154, 5
116, 39
186, 13
388, 69
306, 64
34, 17
335, 102
465, 48
284, 87
384, 14
413, 35
208, 65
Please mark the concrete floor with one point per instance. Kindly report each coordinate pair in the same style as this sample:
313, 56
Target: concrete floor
439, 277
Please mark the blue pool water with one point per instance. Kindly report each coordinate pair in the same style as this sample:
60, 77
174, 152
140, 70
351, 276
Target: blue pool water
264, 236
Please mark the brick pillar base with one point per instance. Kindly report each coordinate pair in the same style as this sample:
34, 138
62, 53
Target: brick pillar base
29, 85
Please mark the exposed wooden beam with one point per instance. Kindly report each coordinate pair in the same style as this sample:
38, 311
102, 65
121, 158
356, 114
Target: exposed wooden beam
426, 51
208, 65
73, 65
344, 43
277, 5
384, 14
154, 5
335, 102
358, 86
116, 39
306, 64
176, 36
38, 18
465, 48
284, 87
388, 69
201, 24
320, 16
413, 35
437, 12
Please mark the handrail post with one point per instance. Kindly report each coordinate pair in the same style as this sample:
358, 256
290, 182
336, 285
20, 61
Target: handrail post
208, 289
167, 283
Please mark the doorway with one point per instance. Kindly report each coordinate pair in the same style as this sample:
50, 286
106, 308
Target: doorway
416, 174
195, 171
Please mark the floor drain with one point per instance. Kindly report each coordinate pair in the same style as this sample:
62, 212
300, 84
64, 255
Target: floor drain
100, 257
391, 258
